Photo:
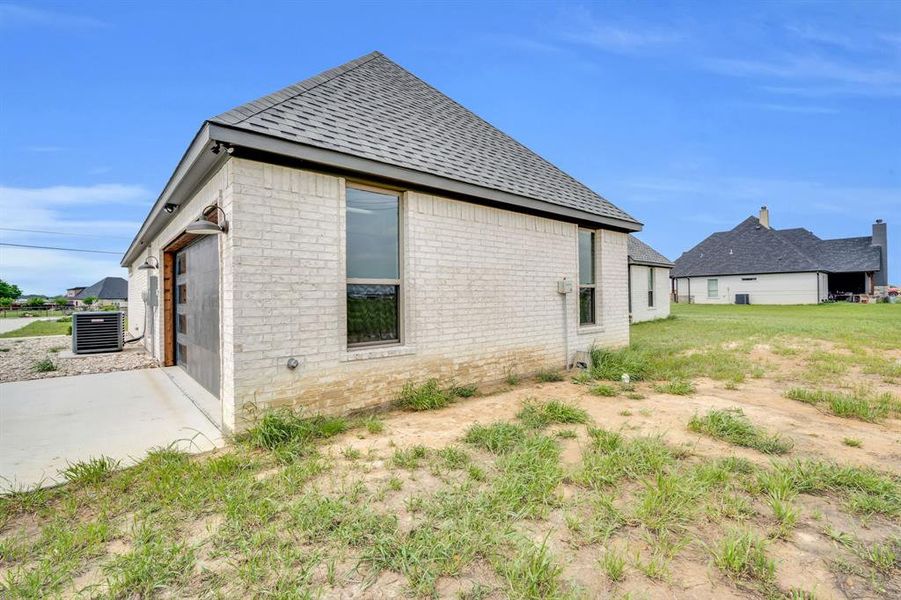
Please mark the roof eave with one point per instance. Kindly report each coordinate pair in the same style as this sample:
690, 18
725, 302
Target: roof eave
347, 162
192, 168
650, 263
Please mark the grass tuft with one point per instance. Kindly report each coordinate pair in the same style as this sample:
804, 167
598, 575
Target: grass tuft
427, 396
91, 471
612, 364
602, 389
742, 554
862, 403
852, 442
537, 415
676, 387
280, 428
548, 376
498, 438
45, 365
731, 425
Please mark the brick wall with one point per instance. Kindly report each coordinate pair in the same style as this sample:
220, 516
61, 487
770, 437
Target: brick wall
479, 287
662, 292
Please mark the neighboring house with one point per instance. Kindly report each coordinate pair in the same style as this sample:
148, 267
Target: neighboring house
372, 232
781, 266
72, 293
109, 290
649, 283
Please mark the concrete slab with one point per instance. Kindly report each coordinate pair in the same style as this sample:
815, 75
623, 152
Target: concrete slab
47, 423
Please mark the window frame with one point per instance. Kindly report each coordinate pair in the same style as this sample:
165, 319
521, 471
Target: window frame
651, 288
594, 277
716, 288
398, 283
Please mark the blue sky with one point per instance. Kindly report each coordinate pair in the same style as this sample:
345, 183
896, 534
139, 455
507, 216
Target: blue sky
687, 115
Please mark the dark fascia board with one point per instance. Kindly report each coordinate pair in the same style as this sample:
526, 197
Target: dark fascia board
648, 263
752, 273
346, 162
195, 164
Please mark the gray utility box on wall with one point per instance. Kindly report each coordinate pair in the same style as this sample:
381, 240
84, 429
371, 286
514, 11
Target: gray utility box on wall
97, 332
742, 298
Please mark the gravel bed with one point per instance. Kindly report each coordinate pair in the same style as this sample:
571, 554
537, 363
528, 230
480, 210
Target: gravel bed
19, 355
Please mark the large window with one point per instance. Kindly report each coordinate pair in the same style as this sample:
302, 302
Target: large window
586, 277
650, 287
713, 286
373, 267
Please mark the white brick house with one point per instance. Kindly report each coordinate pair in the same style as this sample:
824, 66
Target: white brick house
649, 282
376, 233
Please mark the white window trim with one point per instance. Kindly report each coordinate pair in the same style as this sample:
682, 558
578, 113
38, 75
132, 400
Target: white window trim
375, 349
587, 327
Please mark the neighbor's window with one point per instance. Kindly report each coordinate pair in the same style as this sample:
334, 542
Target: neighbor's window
650, 287
713, 288
586, 277
373, 267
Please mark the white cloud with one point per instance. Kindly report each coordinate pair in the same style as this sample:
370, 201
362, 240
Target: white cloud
12, 15
90, 216
50, 272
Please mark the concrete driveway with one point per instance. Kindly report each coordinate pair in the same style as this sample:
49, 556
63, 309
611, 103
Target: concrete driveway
47, 423
11, 324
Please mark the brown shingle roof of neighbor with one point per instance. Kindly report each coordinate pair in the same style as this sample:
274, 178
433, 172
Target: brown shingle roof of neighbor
373, 108
752, 248
642, 254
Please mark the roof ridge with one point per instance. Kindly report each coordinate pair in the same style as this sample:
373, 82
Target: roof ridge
326, 76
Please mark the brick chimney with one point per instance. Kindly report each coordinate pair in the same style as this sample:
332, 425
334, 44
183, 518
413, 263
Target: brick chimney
880, 240
764, 216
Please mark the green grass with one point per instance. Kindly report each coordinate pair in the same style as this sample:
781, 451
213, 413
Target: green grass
40, 328
731, 425
45, 365
549, 376
609, 457
426, 396
743, 555
284, 429
498, 438
614, 564
537, 415
852, 442
603, 389
533, 574
861, 403
91, 471
676, 387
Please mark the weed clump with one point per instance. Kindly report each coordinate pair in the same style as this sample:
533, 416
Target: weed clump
538, 415
280, 428
548, 376
742, 554
45, 365
427, 396
677, 387
91, 471
498, 438
612, 364
602, 389
862, 403
731, 425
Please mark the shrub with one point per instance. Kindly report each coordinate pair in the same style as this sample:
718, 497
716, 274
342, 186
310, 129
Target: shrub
428, 396
731, 425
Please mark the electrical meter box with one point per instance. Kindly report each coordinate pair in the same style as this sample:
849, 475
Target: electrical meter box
564, 286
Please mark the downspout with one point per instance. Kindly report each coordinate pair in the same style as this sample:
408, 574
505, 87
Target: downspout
818, 287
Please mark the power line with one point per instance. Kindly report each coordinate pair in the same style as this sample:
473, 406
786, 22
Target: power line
62, 233
62, 249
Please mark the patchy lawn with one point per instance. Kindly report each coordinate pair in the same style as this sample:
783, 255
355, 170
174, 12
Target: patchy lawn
60, 326
722, 488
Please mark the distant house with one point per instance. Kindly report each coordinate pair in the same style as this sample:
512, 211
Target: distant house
73, 292
757, 263
649, 282
109, 290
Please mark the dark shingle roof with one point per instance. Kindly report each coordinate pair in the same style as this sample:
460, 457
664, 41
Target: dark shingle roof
752, 248
108, 288
375, 109
642, 254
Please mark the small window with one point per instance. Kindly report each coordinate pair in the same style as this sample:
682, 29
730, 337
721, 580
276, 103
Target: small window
586, 278
650, 287
182, 324
181, 354
373, 267
181, 264
713, 288
182, 294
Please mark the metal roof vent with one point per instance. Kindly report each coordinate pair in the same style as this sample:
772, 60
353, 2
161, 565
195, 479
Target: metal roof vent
97, 332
